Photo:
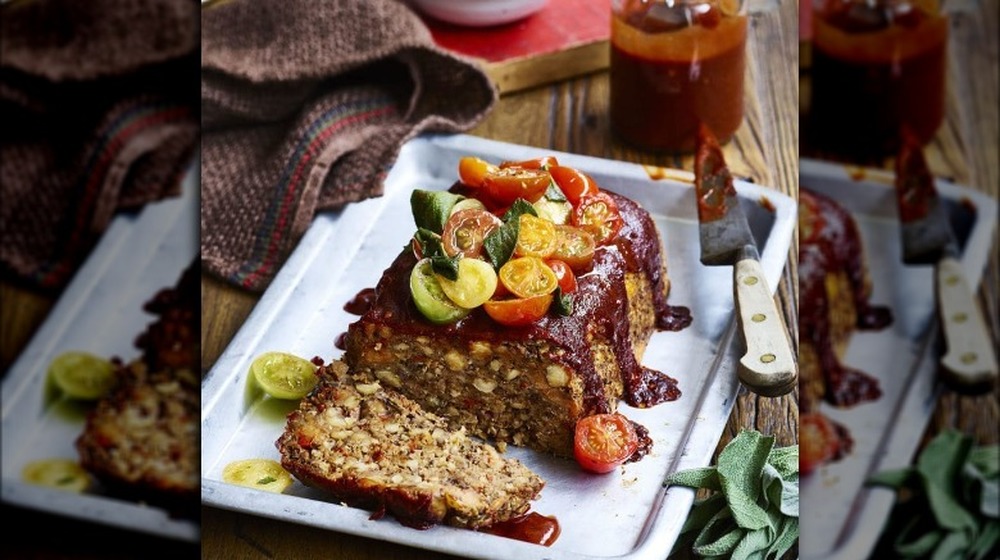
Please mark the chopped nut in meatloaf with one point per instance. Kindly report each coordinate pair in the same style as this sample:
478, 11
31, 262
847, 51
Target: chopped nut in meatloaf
526, 385
375, 449
141, 440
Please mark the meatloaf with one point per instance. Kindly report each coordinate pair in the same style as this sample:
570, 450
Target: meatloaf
527, 385
375, 449
141, 440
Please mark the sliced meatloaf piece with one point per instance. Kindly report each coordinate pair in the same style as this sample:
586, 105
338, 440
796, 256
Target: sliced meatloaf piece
375, 449
526, 385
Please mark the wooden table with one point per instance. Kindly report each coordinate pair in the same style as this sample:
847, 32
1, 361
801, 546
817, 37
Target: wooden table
572, 116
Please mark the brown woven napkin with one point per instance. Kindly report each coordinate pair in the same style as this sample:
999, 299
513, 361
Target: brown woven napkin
305, 105
99, 111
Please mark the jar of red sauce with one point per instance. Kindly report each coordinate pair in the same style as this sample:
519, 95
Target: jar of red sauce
878, 66
675, 64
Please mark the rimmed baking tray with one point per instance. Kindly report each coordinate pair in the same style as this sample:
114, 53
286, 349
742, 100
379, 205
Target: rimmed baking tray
99, 312
839, 517
624, 514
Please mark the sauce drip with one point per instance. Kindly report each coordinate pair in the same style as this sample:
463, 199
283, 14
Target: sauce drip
530, 527
645, 443
361, 303
340, 343
673, 317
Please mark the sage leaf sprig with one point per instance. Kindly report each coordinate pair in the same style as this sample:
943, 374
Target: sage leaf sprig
947, 502
753, 511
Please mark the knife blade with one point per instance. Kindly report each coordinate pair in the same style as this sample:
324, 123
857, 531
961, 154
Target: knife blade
969, 362
768, 367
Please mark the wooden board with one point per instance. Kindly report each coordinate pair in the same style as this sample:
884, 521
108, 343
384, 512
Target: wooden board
566, 38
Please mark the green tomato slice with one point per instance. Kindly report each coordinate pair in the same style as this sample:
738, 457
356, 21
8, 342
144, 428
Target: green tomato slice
261, 474
430, 299
283, 375
80, 375
62, 474
474, 286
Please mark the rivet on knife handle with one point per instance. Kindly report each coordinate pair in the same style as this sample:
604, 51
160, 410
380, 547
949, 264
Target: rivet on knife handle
969, 360
768, 368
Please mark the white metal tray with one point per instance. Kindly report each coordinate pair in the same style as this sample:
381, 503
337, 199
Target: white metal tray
839, 517
624, 514
99, 312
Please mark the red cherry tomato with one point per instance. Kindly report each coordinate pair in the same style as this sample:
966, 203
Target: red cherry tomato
573, 183
518, 312
818, 441
602, 442
598, 214
564, 275
507, 185
472, 171
465, 231
537, 163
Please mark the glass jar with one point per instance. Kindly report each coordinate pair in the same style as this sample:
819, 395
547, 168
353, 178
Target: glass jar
878, 66
674, 64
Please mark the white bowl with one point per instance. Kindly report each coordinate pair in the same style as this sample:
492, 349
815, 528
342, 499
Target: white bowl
479, 13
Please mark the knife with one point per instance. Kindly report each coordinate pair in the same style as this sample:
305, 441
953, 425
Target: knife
969, 362
769, 367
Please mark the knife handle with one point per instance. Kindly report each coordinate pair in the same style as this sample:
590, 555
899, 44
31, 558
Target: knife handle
768, 368
969, 361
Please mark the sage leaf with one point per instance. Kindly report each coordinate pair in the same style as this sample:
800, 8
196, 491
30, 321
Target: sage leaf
429, 242
562, 303
446, 266
554, 193
785, 460
952, 545
921, 546
719, 537
941, 461
499, 244
518, 209
703, 512
741, 464
989, 499
753, 542
986, 459
947, 511
788, 534
895, 478
985, 541
705, 477
432, 208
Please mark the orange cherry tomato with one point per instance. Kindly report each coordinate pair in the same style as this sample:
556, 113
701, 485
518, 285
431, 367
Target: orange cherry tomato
564, 275
573, 183
465, 231
602, 442
536, 237
537, 163
507, 185
518, 312
818, 441
598, 214
473, 171
528, 277
575, 247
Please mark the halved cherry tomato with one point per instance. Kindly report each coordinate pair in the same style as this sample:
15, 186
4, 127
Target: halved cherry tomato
574, 183
472, 171
537, 163
602, 442
598, 214
518, 312
528, 277
818, 441
465, 231
575, 247
536, 237
507, 185
564, 275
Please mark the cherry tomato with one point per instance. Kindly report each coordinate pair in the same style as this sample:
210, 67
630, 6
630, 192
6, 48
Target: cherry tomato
602, 442
472, 171
518, 312
564, 275
818, 441
575, 247
598, 214
573, 183
537, 163
536, 237
507, 185
528, 277
465, 231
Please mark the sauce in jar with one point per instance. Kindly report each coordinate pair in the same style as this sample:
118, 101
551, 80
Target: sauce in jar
877, 68
673, 67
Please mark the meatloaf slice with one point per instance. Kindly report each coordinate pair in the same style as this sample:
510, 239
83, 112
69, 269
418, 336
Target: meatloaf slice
375, 449
526, 385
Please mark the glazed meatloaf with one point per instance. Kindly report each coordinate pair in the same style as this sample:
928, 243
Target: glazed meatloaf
527, 385
834, 292
375, 449
141, 440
